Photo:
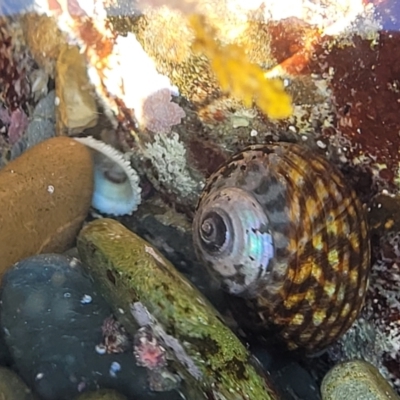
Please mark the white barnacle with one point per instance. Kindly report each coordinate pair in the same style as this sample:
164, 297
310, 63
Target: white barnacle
116, 183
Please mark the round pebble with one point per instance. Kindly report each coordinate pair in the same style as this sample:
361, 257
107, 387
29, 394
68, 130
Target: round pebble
356, 380
45, 194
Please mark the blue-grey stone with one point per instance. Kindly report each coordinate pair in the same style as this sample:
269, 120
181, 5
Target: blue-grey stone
52, 316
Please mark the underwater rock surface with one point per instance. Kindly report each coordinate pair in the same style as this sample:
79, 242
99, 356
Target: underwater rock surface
356, 380
77, 108
101, 395
53, 316
150, 292
163, 228
12, 386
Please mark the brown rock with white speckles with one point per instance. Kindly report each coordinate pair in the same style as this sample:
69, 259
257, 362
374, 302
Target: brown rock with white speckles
45, 195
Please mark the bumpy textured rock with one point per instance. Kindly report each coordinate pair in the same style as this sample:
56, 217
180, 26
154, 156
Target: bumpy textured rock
53, 318
44, 39
12, 386
44, 197
356, 380
151, 292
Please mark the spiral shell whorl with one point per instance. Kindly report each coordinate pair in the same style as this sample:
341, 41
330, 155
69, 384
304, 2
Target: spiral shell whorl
314, 281
244, 243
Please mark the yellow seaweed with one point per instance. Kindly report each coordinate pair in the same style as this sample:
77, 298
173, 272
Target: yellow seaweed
238, 76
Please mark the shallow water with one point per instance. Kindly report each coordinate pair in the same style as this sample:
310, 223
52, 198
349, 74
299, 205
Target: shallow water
347, 106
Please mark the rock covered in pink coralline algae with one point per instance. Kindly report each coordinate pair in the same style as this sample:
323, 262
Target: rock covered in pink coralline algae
15, 65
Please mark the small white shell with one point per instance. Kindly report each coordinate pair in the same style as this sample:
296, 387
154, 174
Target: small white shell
116, 183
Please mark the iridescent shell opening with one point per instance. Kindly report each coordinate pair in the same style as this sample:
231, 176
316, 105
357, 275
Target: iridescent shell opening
232, 237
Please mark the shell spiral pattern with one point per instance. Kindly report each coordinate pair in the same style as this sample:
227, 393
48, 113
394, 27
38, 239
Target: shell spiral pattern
278, 226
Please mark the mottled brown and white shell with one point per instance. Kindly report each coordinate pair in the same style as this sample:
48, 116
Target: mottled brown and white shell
278, 226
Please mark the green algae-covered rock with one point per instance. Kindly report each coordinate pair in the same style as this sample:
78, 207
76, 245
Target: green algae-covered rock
146, 290
12, 387
356, 380
102, 394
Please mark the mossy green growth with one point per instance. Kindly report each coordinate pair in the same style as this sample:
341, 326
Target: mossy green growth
131, 271
356, 379
102, 394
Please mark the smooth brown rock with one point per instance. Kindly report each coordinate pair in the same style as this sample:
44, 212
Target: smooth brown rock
45, 195
77, 109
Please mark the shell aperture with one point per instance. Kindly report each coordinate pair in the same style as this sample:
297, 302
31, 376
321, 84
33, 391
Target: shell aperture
214, 232
241, 242
296, 243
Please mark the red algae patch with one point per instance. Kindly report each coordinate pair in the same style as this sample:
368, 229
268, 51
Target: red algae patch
366, 89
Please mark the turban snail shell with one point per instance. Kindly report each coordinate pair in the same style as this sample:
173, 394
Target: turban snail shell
278, 226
